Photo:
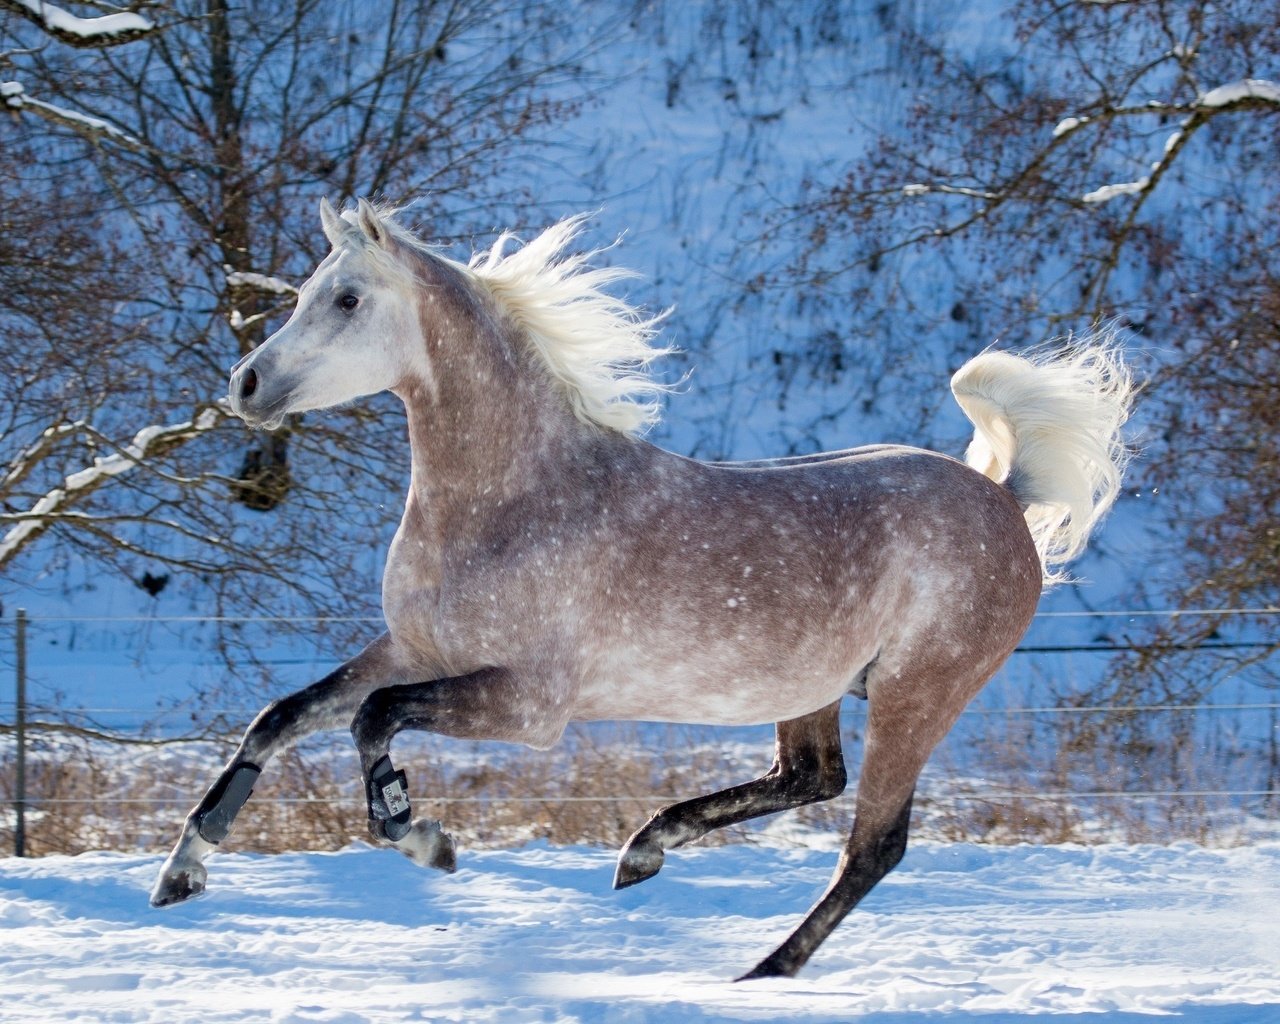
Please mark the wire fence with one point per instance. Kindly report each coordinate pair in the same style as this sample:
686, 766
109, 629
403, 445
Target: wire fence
25, 720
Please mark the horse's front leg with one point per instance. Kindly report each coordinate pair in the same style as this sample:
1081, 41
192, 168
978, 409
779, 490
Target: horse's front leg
491, 704
327, 704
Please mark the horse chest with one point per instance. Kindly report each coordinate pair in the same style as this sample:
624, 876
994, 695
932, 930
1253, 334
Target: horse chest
457, 606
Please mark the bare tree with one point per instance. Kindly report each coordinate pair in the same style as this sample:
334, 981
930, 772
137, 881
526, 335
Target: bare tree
1117, 166
1113, 162
158, 190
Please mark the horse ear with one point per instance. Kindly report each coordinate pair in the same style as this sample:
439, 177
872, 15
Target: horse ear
370, 223
334, 226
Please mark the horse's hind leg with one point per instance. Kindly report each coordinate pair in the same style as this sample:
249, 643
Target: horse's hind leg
808, 766
902, 731
326, 704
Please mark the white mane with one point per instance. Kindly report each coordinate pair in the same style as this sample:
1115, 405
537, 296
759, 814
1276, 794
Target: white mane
597, 346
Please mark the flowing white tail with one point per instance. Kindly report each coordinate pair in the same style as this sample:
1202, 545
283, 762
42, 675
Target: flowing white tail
1048, 428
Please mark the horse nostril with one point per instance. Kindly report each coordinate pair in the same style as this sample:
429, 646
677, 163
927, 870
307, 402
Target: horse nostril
249, 384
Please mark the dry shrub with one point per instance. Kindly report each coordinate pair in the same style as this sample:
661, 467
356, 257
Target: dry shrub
1009, 782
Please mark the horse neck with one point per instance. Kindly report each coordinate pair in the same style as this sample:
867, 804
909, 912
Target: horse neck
488, 423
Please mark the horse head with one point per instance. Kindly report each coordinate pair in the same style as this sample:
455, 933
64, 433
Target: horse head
350, 334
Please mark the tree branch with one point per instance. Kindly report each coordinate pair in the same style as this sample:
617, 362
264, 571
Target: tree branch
87, 33
15, 97
150, 442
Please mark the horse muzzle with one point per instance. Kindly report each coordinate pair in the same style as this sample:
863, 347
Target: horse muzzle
256, 394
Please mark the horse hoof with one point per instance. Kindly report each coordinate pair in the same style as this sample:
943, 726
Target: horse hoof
178, 886
636, 863
429, 845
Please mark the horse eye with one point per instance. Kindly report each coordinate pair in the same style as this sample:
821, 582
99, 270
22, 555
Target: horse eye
348, 302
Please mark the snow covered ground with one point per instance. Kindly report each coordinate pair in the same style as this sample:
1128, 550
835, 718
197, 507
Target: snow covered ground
959, 932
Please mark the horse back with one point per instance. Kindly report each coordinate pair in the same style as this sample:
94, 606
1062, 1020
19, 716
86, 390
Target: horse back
763, 591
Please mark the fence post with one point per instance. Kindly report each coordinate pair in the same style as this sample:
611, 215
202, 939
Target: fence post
20, 717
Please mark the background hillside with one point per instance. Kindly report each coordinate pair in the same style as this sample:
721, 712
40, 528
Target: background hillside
839, 203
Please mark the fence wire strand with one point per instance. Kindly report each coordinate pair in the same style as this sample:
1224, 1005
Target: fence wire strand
855, 712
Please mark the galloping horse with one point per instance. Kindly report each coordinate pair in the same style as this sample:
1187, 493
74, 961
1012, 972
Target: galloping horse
551, 566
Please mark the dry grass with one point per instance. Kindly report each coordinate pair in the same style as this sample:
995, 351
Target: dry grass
597, 787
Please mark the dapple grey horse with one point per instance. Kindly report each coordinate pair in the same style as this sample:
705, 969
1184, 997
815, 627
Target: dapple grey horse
551, 566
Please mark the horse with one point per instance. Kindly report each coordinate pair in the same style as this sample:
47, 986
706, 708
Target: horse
553, 566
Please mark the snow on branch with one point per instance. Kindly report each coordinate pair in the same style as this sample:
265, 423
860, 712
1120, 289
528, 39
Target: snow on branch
1240, 92
920, 189
15, 97
262, 282
1131, 188
107, 30
1248, 92
22, 464
1123, 188
147, 443
1069, 124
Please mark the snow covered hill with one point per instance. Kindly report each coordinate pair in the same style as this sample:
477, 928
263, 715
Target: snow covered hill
959, 932
703, 133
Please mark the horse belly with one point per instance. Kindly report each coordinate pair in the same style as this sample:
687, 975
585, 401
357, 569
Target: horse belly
696, 687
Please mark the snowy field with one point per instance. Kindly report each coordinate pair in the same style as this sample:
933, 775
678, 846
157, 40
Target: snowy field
958, 933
